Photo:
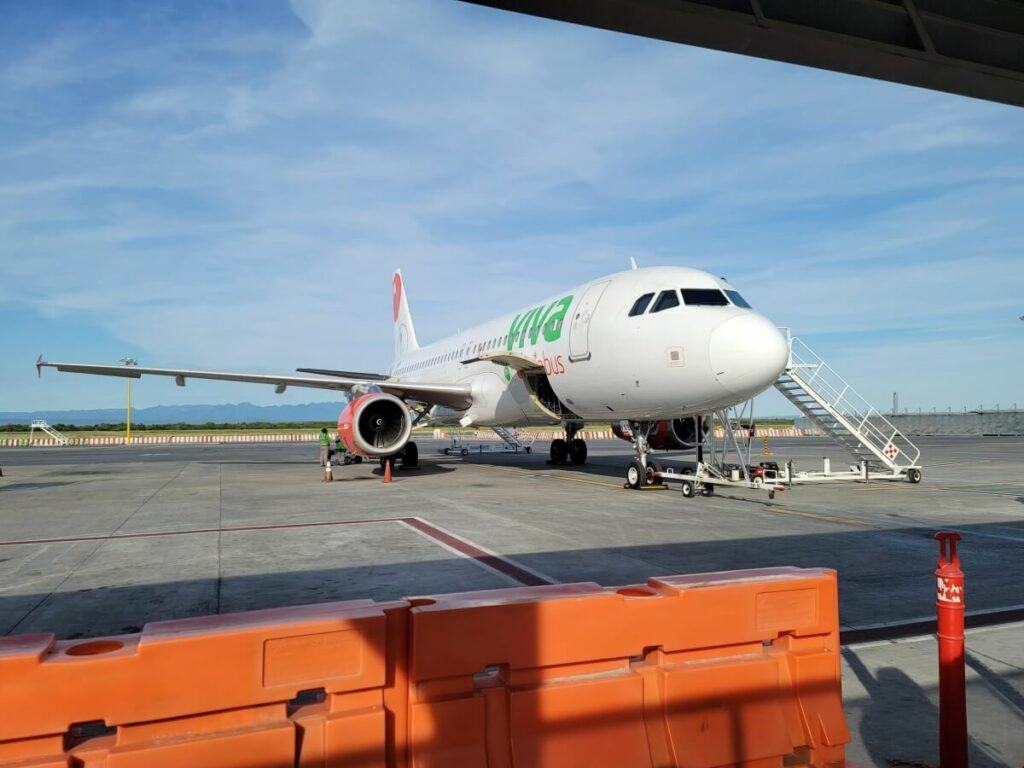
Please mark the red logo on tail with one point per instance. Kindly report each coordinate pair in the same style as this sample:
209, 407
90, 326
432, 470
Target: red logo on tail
396, 295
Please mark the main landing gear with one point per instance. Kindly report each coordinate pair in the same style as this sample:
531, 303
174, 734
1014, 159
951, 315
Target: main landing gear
641, 470
407, 458
572, 450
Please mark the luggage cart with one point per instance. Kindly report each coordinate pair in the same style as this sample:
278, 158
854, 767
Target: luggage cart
455, 446
512, 441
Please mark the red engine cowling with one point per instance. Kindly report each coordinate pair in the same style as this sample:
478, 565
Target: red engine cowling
375, 424
674, 435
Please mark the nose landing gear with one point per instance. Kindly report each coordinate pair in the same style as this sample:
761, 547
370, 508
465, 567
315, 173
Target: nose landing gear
641, 470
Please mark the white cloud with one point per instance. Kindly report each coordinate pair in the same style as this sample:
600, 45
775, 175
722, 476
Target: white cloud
237, 197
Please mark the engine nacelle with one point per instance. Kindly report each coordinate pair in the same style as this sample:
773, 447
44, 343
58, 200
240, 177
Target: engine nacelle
674, 435
375, 424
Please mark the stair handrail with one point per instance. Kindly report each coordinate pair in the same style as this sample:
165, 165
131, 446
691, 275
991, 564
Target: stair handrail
873, 425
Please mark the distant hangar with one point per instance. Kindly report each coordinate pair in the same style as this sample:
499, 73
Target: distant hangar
967, 47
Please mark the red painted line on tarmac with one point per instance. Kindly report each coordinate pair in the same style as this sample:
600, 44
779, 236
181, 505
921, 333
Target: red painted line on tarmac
488, 559
463, 547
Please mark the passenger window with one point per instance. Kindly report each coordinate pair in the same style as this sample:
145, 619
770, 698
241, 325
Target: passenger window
666, 300
704, 297
640, 305
736, 299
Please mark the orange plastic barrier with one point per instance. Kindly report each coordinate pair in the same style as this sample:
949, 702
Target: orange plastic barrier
737, 668
306, 686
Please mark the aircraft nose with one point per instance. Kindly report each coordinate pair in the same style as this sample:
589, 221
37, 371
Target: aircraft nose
747, 353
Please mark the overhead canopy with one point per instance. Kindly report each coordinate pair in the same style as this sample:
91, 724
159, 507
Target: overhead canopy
968, 47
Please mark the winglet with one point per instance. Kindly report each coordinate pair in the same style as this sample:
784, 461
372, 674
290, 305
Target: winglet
39, 367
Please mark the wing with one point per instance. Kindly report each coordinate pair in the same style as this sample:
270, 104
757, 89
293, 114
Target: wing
456, 396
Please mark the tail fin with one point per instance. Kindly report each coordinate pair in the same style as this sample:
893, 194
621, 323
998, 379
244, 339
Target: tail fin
405, 334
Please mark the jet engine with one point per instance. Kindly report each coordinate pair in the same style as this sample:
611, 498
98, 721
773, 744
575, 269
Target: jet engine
375, 424
674, 435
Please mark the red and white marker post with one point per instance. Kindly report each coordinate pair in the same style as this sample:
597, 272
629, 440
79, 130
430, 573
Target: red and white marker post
949, 607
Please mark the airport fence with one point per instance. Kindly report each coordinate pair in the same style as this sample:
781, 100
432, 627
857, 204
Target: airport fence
309, 437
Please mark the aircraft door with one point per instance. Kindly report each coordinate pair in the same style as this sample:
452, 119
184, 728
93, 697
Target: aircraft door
579, 330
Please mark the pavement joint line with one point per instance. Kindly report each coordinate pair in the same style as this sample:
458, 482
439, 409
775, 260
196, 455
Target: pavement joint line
546, 476
188, 531
819, 516
492, 561
768, 507
220, 531
1002, 537
99, 545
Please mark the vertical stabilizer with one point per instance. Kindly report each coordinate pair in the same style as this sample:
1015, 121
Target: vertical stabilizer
405, 334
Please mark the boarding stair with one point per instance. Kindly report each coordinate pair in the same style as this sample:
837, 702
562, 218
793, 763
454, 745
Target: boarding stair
46, 429
842, 413
516, 439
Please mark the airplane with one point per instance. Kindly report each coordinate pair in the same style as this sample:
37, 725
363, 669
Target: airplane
657, 348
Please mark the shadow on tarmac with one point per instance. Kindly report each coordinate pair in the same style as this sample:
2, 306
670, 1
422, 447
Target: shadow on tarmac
997, 682
885, 575
899, 723
35, 486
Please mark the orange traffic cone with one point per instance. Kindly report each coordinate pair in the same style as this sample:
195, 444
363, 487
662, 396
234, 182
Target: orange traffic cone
387, 471
328, 473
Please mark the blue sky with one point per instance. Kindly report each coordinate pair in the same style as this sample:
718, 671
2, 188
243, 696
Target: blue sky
230, 184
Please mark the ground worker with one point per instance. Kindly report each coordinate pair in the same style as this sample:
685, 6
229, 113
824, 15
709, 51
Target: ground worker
337, 449
325, 447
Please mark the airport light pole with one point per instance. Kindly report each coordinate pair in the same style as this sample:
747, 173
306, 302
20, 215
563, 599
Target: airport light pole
128, 408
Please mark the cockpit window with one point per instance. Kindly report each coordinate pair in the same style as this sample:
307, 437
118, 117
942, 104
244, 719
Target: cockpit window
666, 300
640, 305
704, 297
736, 299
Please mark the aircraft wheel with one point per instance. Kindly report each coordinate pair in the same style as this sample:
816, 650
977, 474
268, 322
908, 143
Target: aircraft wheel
914, 476
559, 451
687, 489
410, 455
577, 451
707, 490
635, 474
447, 451
653, 468
464, 451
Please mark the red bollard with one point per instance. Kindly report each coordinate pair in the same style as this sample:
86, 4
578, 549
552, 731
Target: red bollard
949, 606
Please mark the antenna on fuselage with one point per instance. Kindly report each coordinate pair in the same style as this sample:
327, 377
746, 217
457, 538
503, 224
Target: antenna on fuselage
632, 263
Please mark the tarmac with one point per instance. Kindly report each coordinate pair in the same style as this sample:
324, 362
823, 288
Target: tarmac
101, 540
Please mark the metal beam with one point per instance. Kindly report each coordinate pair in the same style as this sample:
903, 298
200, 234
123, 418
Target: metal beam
967, 47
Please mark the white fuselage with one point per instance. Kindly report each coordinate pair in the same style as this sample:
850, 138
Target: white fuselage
604, 364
